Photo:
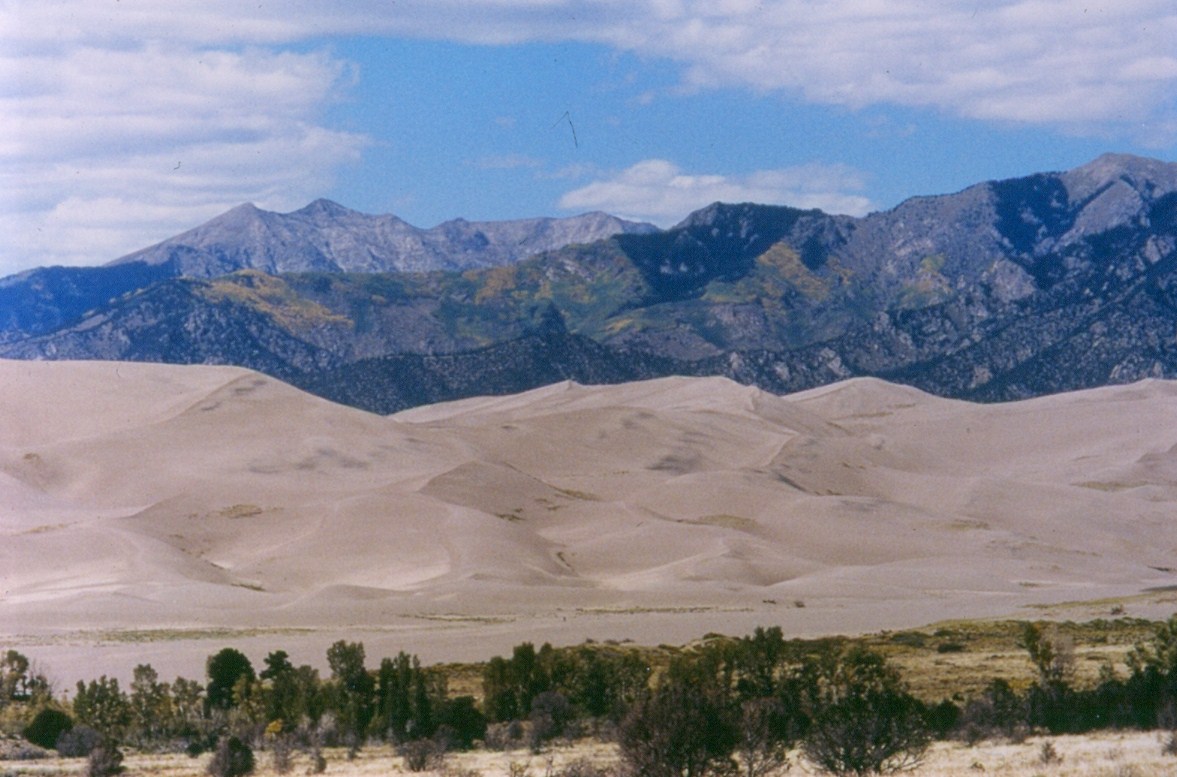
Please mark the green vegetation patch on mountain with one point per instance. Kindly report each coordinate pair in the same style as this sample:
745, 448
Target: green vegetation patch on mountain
272, 296
590, 285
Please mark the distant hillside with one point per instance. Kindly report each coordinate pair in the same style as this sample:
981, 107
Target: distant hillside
322, 237
549, 354
1008, 289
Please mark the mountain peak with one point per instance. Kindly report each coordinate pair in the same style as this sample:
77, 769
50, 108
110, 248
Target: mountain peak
1149, 176
325, 236
246, 210
324, 207
1115, 163
709, 214
733, 212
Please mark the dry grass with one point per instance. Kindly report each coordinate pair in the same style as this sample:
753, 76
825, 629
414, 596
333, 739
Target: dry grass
962, 657
957, 659
1102, 755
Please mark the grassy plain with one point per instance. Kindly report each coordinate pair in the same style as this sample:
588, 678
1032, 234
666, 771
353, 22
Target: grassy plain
949, 660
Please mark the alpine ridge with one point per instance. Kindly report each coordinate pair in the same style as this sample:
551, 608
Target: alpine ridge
1005, 290
325, 236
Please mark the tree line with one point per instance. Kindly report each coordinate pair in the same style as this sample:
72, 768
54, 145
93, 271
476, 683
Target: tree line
749, 703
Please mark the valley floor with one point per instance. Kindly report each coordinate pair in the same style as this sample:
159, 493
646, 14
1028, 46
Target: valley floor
1118, 754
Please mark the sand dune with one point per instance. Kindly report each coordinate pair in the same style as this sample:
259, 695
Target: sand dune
211, 503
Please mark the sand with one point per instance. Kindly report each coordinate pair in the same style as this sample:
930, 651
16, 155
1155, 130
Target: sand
158, 513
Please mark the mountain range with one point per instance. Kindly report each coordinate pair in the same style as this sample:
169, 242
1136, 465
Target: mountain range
1005, 290
327, 237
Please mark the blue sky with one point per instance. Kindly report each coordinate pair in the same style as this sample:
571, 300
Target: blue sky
128, 121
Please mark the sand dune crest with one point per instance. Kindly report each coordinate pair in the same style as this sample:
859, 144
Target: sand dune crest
133, 495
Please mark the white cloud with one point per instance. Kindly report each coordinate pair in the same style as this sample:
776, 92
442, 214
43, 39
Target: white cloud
106, 149
1047, 61
659, 191
1073, 65
89, 210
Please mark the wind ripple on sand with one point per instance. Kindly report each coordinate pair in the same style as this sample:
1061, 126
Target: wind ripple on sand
216, 495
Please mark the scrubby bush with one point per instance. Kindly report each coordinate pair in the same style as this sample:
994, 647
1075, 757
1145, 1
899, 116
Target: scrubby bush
942, 718
505, 736
863, 721
198, 746
680, 730
78, 742
106, 760
318, 762
281, 752
767, 734
998, 712
582, 767
550, 717
422, 754
233, 758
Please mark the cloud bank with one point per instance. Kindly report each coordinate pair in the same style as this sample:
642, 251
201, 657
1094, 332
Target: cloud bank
659, 191
1049, 61
128, 121
1084, 66
106, 149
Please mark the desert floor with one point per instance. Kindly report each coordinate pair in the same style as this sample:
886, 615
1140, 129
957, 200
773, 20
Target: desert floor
1104, 755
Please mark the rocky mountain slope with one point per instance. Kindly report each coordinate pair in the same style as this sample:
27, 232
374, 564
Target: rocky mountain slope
1007, 289
327, 237
324, 236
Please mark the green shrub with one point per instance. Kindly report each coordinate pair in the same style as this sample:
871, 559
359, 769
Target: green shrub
681, 730
550, 717
863, 721
47, 726
462, 722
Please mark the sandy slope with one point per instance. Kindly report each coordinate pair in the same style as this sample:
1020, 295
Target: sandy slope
207, 505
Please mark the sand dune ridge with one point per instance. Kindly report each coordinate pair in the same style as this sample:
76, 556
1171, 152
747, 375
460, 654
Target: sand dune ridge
134, 495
